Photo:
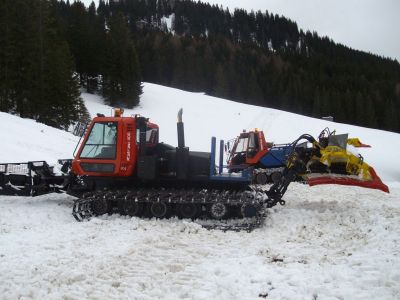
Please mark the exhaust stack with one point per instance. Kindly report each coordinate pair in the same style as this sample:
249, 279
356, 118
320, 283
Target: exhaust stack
182, 152
181, 131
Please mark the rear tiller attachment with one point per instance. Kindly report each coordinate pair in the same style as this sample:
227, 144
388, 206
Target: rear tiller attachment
29, 179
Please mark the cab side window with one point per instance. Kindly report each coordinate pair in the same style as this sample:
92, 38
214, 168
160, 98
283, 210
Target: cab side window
102, 141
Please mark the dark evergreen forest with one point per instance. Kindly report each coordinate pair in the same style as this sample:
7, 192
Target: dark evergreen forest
250, 57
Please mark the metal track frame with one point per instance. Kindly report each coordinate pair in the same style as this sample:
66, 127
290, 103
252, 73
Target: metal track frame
234, 200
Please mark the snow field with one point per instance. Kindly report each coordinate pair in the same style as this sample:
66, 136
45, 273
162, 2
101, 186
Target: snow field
26, 140
327, 243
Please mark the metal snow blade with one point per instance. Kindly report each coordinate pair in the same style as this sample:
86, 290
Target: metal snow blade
337, 165
373, 181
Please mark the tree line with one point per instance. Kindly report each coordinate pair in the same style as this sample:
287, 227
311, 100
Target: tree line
49, 50
37, 77
250, 57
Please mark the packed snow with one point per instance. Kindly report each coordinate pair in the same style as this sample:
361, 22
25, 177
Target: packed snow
26, 140
328, 242
168, 22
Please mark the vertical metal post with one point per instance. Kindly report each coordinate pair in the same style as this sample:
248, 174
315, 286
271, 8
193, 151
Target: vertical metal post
212, 158
221, 156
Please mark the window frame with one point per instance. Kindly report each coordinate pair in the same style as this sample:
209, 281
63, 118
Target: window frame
116, 141
242, 141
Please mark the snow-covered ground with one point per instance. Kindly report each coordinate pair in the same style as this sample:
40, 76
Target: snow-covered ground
328, 242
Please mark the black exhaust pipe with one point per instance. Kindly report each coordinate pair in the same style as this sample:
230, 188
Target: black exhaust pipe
182, 152
181, 131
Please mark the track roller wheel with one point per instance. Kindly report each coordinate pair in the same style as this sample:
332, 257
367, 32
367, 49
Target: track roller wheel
188, 210
248, 211
276, 177
160, 210
219, 210
101, 207
261, 178
121, 206
132, 208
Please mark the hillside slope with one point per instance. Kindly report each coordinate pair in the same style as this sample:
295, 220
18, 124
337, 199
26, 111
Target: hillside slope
26, 140
204, 117
328, 242
207, 116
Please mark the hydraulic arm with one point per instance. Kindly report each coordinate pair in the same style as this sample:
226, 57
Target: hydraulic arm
296, 165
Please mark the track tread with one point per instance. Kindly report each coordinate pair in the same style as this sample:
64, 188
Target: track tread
82, 209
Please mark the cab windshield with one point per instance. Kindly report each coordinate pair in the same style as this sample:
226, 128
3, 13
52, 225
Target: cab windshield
242, 145
247, 144
102, 141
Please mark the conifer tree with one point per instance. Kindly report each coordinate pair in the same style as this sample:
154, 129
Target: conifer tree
316, 111
39, 65
7, 49
212, 50
121, 74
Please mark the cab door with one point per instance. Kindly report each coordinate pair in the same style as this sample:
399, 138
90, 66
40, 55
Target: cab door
99, 154
256, 148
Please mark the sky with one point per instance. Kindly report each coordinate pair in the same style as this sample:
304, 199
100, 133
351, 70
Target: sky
367, 25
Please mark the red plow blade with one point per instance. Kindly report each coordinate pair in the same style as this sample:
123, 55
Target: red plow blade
330, 178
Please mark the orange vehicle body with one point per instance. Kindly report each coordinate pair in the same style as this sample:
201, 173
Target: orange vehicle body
126, 148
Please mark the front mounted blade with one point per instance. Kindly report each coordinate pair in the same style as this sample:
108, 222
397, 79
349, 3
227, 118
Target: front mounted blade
353, 180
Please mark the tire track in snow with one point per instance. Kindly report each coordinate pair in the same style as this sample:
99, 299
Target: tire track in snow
327, 242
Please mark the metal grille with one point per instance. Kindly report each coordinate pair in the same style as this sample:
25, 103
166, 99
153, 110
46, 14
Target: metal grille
21, 168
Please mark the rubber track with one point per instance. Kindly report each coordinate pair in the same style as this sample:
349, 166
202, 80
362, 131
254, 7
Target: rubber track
82, 208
